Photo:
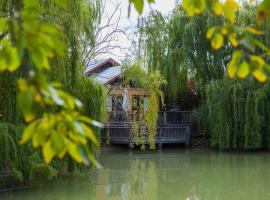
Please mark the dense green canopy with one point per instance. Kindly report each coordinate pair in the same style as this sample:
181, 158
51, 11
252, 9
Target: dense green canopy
233, 113
77, 25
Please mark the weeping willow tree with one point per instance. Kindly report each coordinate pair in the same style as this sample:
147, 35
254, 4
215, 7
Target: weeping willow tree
77, 24
236, 114
176, 46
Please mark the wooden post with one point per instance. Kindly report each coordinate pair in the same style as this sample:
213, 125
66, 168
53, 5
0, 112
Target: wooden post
165, 117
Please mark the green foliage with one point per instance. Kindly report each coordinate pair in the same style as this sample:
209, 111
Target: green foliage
139, 4
176, 46
236, 114
152, 83
94, 97
21, 161
244, 37
135, 75
31, 41
9, 110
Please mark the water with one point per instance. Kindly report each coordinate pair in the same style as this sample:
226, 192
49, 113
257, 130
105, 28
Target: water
172, 174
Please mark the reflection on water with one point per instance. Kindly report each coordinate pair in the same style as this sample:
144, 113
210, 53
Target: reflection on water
174, 174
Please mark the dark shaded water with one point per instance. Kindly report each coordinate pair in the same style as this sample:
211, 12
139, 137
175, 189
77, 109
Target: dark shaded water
172, 174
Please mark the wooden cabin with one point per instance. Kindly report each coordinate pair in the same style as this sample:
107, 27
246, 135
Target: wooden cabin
108, 72
125, 107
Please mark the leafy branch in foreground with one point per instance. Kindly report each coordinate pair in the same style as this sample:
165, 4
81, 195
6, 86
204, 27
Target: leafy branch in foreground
52, 115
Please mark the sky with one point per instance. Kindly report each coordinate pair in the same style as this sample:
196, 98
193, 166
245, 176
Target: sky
123, 40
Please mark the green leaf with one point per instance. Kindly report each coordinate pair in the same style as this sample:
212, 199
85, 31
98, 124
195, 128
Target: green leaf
89, 133
40, 60
90, 121
254, 30
229, 9
138, 4
57, 141
232, 68
79, 128
217, 7
210, 32
229, 14
233, 40
217, 41
259, 75
243, 70
257, 62
194, 6
48, 152
97, 124
84, 155
28, 132
56, 98
14, 59
9, 59
74, 152
25, 101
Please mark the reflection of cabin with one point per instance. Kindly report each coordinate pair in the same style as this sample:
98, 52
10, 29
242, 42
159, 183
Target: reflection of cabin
126, 105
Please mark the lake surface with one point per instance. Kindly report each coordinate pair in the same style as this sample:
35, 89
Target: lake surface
166, 175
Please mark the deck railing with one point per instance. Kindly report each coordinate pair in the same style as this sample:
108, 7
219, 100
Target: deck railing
174, 117
123, 116
173, 127
164, 118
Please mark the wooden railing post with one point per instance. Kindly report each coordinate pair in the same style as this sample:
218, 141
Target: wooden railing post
165, 117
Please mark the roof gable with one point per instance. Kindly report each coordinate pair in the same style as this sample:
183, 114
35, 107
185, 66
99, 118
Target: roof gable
96, 65
108, 75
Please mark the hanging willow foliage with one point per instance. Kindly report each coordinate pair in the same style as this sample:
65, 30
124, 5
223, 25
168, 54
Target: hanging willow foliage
94, 96
77, 24
176, 45
9, 111
236, 114
21, 161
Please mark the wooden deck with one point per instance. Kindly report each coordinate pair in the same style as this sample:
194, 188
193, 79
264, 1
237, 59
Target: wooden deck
173, 127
